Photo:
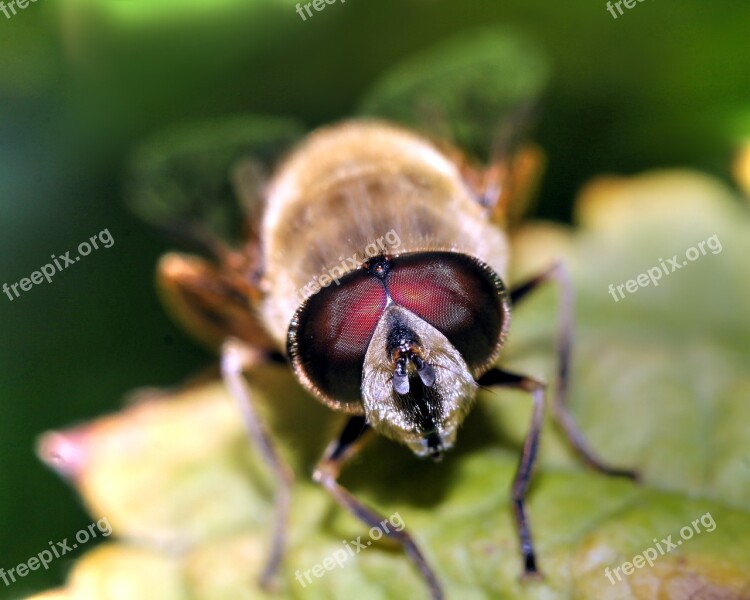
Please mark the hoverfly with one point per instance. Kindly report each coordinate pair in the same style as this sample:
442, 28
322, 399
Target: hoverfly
399, 337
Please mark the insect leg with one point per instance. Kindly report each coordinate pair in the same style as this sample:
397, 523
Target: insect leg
326, 474
235, 360
558, 273
528, 457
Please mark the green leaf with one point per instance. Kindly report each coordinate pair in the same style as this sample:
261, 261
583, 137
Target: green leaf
661, 383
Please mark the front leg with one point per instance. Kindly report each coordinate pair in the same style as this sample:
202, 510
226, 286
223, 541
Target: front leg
238, 358
338, 453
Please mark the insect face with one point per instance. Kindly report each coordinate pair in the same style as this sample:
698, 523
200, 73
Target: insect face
402, 340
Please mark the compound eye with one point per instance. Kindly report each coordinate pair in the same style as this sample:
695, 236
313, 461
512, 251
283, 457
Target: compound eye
330, 333
458, 295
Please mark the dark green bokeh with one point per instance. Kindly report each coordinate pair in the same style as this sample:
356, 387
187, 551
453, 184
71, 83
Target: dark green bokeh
83, 84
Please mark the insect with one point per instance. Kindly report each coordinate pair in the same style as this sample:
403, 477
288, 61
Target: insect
375, 264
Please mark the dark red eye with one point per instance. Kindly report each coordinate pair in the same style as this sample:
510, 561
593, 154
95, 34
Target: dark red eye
330, 335
456, 294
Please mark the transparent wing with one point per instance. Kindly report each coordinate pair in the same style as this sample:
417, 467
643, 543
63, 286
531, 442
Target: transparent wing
203, 182
477, 90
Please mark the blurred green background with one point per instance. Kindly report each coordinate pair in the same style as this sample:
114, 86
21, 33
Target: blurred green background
81, 85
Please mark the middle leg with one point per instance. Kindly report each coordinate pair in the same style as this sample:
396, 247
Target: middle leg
528, 458
338, 453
